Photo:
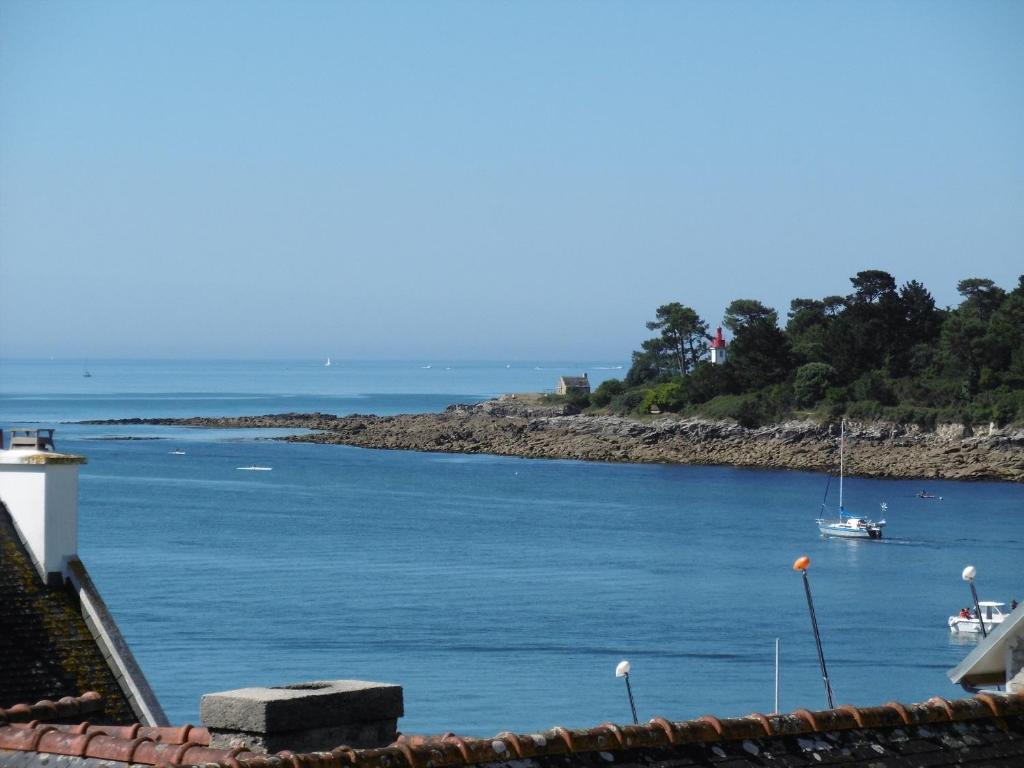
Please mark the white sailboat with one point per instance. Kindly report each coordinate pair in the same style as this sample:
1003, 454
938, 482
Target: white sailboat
328, 363
847, 526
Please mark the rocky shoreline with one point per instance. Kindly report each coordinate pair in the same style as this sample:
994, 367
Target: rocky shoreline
527, 428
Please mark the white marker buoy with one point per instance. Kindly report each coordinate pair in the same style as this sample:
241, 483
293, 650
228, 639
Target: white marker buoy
622, 670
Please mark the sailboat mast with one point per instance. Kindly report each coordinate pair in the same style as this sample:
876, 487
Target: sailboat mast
842, 440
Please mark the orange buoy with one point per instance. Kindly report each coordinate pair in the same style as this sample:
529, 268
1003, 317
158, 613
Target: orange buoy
802, 563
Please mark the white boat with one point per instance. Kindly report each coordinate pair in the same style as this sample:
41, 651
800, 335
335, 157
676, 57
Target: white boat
177, 452
990, 610
851, 527
254, 468
847, 526
328, 363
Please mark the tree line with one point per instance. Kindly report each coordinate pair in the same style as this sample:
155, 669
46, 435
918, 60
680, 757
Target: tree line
882, 351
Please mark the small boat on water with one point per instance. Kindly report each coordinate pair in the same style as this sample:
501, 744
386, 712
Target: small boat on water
254, 468
328, 363
967, 621
177, 452
851, 527
926, 495
843, 525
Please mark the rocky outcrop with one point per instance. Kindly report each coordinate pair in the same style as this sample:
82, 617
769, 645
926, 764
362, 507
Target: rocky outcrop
509, 428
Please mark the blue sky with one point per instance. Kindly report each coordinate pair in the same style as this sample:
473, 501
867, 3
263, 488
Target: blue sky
484, 179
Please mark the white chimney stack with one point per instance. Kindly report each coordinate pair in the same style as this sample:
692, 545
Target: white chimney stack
39, 487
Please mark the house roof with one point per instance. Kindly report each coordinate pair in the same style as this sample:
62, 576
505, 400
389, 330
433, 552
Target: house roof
986, 664
987, 729
575, 381
46, 648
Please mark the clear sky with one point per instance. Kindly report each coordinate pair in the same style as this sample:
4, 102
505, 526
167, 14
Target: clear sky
490, 180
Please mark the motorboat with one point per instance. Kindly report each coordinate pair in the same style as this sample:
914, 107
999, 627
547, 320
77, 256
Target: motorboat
970, 623
254, 468
847, 526
177, 452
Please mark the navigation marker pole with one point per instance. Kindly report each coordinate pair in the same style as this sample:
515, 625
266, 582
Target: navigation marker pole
968, 575
776, 710
802, 564
622, 670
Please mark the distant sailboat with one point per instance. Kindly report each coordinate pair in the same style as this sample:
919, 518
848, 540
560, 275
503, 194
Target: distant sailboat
328, 363
844, 525
85, 370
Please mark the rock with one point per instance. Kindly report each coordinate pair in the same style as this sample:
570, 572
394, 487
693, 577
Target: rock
529, 426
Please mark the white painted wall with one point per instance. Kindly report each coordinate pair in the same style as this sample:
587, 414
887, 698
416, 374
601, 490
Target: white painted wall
43, 501
61, 516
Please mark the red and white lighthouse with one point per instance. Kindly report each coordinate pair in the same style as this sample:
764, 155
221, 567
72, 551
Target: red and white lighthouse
718, 348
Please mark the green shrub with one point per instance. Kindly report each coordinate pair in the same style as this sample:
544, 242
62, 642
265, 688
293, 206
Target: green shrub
864, 410
811, 382
603, 395
749, 413
576, 399
670, 396
874, 385
746, 410
776, 402
1008, 407
925, 418
708, 381
627, 402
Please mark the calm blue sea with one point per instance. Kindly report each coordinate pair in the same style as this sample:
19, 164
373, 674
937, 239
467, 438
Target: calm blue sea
499, 592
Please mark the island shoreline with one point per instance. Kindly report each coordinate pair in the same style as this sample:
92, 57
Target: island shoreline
526, 429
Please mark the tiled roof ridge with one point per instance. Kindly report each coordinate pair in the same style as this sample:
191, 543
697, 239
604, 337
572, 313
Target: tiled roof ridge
62, 709
185, 746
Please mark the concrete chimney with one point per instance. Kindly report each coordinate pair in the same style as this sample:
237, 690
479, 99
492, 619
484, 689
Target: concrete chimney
304, 717
39, 487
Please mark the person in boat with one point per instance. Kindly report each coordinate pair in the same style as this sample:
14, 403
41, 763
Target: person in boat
1013, 604
964, 613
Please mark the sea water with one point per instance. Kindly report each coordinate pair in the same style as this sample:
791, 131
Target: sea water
499, 592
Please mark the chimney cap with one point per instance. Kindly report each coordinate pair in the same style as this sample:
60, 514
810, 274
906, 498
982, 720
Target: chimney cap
300, 706
34, 446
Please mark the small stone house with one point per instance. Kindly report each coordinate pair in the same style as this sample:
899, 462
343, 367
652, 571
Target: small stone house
568, 384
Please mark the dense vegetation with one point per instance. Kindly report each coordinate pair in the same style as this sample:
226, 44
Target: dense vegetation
881, 352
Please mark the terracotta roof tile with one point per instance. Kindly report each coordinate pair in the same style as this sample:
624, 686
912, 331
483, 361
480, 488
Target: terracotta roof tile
63, 709
990, 728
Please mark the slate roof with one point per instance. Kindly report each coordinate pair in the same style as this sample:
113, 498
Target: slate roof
46, 649
987, 729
